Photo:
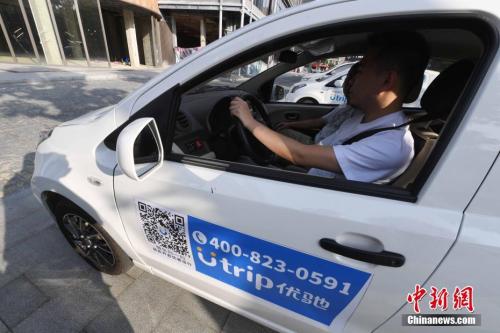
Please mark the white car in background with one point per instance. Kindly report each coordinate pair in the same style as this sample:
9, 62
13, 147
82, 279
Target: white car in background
328, 89
333, 71
168, 181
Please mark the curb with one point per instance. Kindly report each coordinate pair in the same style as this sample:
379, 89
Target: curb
80, 77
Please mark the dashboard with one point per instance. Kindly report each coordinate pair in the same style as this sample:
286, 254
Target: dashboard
203, 124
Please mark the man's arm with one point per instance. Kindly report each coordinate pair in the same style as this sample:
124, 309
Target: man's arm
322, 157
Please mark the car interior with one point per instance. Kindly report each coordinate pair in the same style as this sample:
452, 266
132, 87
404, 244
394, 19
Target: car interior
206, 134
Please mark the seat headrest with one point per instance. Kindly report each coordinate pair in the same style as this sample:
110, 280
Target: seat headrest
442, 94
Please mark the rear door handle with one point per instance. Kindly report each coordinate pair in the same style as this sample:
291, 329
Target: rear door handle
384, 258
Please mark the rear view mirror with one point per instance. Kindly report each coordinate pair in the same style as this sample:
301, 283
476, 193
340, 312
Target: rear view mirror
288, 57
139, 149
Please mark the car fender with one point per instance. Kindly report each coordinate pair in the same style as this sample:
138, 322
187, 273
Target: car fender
82, 174
309, 94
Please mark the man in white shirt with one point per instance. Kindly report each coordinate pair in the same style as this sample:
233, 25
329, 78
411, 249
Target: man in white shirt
328, 123
393, 65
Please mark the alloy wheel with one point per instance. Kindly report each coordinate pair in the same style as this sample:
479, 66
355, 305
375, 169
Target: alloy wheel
88, 241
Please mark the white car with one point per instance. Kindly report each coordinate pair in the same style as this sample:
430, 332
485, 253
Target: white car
165, 180
333, 71
327, 89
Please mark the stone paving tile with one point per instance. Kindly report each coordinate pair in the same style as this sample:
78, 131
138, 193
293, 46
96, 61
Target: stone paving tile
191, 313
69, 312
47, 245
15, 230
32, 326
180, 320
59, 276
19, 299
239, 324
18, 205
3, 328
139, 308
135, 272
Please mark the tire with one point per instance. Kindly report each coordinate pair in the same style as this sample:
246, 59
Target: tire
90, 240
307, 100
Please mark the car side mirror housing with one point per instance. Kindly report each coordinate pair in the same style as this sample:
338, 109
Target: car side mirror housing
139, 150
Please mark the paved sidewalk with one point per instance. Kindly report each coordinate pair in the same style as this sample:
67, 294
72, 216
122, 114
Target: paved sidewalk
46, 287
38, 98
31, 74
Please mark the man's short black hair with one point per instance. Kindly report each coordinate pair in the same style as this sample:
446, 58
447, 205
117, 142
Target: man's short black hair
404, 51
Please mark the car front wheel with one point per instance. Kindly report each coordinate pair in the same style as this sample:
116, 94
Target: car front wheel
90, 240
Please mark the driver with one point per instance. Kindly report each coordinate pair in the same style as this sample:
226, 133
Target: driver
328, 123
393, 64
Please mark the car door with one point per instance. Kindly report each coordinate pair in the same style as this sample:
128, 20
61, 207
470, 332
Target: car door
279, 252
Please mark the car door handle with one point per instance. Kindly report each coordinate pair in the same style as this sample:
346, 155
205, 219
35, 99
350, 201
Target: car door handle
292, 116
384, 258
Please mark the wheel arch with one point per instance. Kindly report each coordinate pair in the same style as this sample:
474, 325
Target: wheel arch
50, 199
311, 98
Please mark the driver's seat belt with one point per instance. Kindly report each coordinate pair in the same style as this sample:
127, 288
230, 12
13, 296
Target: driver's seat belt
366, 134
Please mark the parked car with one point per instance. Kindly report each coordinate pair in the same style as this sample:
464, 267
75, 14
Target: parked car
328, 89
328, 73
164, 180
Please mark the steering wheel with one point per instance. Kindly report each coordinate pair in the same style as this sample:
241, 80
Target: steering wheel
252, 147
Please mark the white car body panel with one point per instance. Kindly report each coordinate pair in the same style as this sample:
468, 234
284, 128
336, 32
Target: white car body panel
422, 231
318, 91
209, 195
65, 162
477, 244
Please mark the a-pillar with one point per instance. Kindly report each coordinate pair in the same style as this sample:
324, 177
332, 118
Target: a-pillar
46, 31
133, 50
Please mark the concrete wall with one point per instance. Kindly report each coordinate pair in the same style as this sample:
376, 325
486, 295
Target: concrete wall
167, 44
151, 5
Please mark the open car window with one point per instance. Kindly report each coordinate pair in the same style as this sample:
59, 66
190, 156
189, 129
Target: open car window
205, 131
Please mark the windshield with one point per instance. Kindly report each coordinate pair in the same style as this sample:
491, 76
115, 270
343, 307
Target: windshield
233, 78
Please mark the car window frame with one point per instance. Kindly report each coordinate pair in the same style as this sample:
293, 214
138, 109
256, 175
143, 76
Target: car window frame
468, 21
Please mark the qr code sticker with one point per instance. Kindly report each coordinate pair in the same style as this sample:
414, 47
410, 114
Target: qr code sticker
166, 231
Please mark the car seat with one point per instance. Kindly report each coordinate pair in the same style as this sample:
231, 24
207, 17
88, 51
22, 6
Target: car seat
438, 101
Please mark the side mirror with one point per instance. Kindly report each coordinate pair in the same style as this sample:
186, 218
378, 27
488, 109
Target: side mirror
139, 149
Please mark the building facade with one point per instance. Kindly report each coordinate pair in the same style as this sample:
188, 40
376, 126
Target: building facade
133, 32
80, 32
192, 24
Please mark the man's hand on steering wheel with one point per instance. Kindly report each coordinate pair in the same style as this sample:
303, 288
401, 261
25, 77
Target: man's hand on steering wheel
240, 109
246, 123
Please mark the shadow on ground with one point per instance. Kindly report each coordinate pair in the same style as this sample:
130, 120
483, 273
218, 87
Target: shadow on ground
45, 286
